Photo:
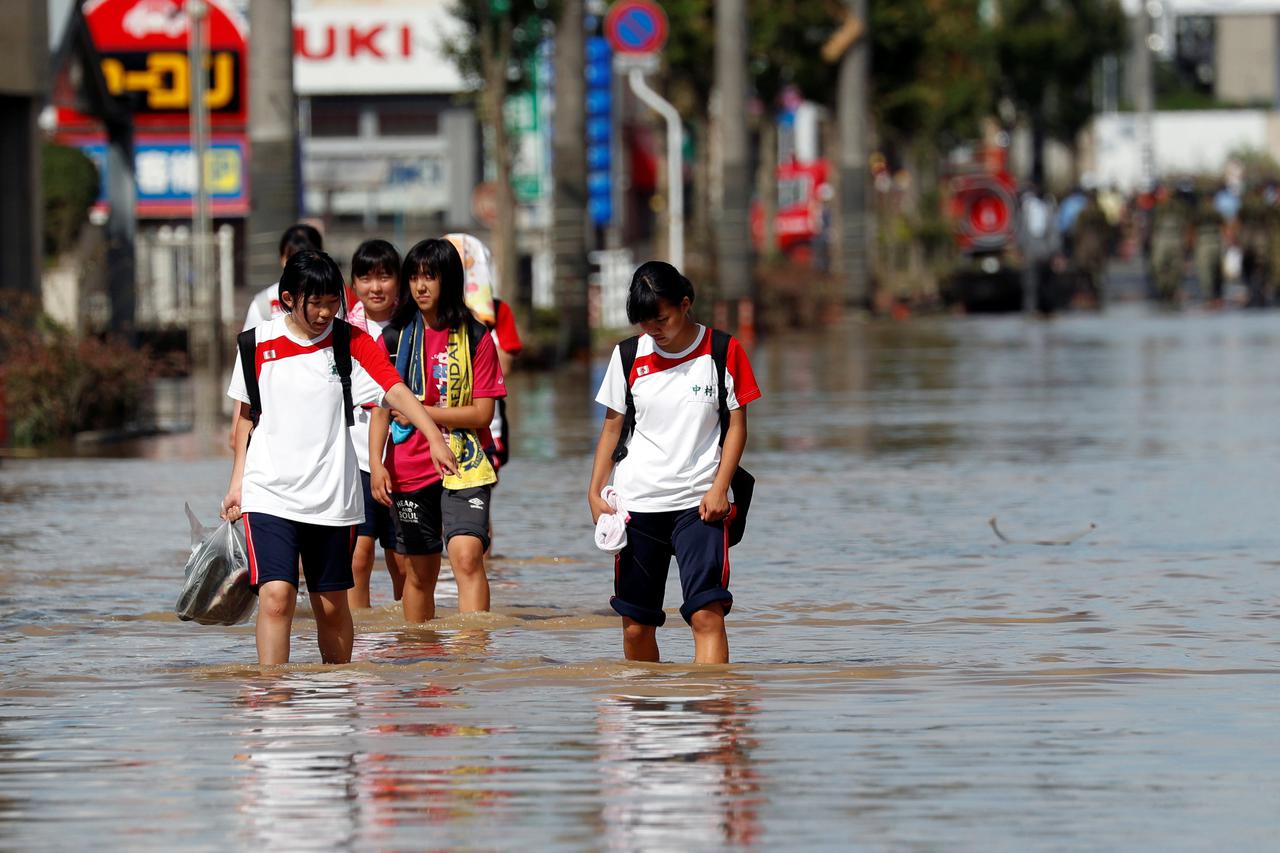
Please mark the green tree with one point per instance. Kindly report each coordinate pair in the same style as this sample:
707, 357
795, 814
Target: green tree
501, 40
1047, 52
70, 188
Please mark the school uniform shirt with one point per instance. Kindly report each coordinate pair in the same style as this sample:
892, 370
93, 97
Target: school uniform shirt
264, 306
360, 430
409, 463
301, 465
674, 452
507, 337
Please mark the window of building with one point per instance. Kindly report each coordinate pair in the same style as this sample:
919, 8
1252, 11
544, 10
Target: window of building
407, 118
331, 117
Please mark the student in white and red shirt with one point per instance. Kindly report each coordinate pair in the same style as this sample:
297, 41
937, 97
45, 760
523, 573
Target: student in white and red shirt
297, 485
673, 484
375, 278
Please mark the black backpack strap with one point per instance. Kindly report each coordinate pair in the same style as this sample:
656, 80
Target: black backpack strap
475, 331
720, 355
247, 341
627, 349
342, 361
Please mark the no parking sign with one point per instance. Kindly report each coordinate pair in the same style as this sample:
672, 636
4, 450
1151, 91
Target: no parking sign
636, 27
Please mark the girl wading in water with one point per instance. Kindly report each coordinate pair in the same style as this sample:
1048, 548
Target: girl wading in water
673, 477
297, 484
450, 363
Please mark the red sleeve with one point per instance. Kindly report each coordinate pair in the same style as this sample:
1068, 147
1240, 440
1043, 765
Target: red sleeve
373, 357
745, 388
504, 325
488, 375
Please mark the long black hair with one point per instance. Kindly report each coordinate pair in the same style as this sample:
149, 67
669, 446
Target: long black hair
655, 280
307, 274
436, 259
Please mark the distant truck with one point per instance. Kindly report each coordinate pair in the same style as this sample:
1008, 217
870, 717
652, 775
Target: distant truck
799, 220
981, 207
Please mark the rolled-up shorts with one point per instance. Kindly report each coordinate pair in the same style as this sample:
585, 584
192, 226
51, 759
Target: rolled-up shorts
377, 522
701, 550
276, 544
429, 517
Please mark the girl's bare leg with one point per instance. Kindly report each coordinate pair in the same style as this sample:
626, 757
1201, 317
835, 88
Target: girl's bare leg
276, 603
420, 587
334, 632
466, 555
639, 642
710, 641
396, 569
361, 571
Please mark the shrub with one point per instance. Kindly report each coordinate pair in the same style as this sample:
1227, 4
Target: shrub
70, 189
56, 385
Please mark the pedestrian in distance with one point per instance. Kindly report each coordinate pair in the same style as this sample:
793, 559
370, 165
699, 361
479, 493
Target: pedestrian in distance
296, 484
448, 359
675, 456
265, 304
375, 279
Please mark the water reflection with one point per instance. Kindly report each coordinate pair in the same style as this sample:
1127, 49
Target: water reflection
677, 771
301, 787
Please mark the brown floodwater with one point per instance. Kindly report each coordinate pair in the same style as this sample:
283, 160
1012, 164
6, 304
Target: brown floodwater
903, 679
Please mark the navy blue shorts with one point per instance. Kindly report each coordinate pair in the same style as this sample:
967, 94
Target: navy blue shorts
377, 522
275, 545
640, 569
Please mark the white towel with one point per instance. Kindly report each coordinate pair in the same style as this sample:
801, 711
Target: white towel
611, 528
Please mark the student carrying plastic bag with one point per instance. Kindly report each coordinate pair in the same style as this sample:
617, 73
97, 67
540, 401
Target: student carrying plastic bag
216, 590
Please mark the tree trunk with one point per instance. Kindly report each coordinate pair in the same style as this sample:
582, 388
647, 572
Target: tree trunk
733, 261
767, 186
569, 185
853, 116
496, 54
700, 225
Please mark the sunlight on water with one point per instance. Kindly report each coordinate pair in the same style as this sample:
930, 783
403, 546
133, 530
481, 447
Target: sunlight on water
903, 678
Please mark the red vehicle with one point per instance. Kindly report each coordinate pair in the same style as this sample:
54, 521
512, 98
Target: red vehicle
980, 203
799, 218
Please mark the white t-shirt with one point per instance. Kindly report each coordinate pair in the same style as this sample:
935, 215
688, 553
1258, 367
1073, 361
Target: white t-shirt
673, 455
301, 465
264, 306
360, 431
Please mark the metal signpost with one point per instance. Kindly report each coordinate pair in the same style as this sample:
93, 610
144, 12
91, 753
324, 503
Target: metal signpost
637, 31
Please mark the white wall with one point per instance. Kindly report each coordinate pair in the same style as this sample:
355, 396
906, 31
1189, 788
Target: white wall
1188, 142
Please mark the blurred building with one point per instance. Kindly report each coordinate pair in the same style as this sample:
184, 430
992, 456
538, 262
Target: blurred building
1217, 90
388, 148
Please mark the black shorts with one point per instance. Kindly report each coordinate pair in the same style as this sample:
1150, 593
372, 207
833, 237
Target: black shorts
377, 522
275, 545
701, 550
423, 516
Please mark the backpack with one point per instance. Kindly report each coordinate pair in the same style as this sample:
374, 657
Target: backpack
248, 344
743, 484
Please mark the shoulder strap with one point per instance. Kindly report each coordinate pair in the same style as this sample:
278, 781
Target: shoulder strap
720, 355
247, 341
342, 361
475, 331
627, 349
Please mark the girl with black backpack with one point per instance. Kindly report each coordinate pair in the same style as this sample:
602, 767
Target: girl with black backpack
675, 428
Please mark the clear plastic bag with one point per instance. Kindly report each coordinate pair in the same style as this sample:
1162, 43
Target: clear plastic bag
216, 589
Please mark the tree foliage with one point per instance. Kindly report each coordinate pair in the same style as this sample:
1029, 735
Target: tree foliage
70, 189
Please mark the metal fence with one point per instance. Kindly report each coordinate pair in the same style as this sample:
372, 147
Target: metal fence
165, 275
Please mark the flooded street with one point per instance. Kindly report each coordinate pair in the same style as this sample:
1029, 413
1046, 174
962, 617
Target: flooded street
903, 678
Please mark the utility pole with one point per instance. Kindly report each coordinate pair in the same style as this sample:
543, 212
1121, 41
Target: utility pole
204, 330
851, 117
273, 137
569, 183
733, 228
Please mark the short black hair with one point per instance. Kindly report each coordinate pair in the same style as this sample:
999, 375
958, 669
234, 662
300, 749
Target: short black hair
307, 274
438, 259
373, 256
655, 280
300, 238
